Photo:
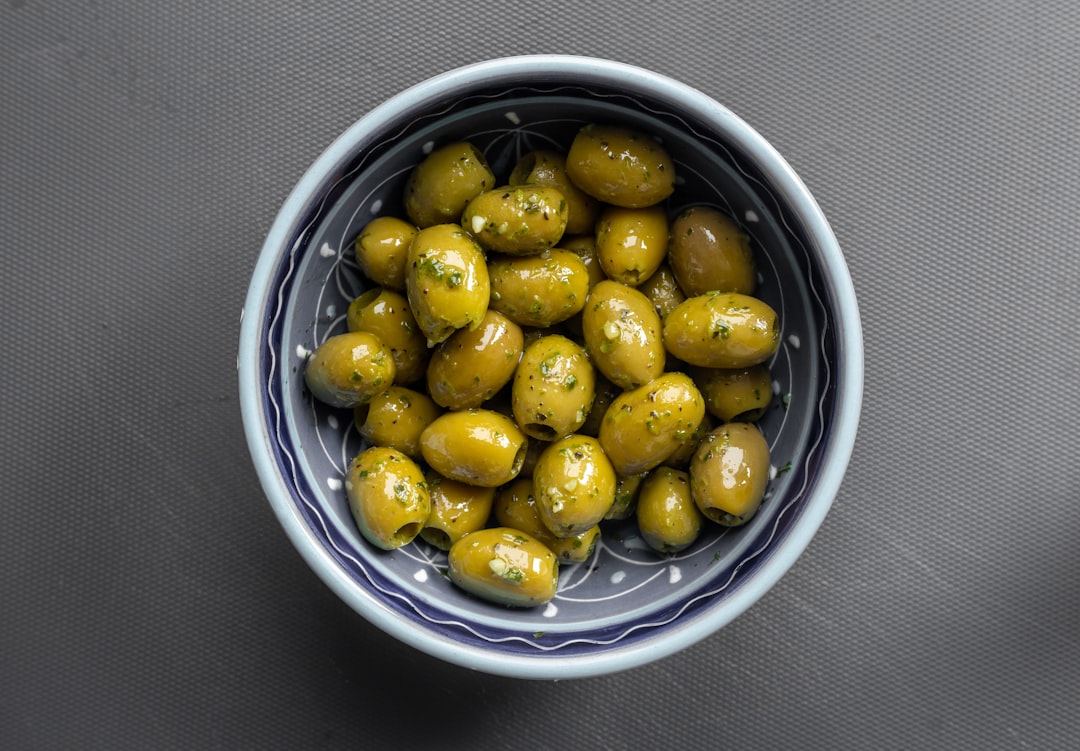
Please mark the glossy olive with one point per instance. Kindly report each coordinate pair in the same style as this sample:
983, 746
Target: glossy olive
730, 472
515, 507
440, 186
631, 243
388, 496
626, 496
646, 425
663, 291
573, 484
553, 388
722, 330
667, 517
382, 250
623, 334
397, 417
447, 281
539, 290
348, 369
710, 253
472, 365
517, 219
680, 459
620, 166
456, 510
476, 446
386, 313
741, 394
505, 566
545, 167
585, 248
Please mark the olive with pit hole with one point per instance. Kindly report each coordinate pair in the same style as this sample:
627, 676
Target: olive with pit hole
387, 496
730, 473
475, 446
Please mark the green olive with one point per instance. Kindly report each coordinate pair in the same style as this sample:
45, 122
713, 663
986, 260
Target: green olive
517, 219
722, 330
472, 365
387, 496
574, 485
663, 291
631, 243
447, 281
741, 394
382, 250
553, 388
440, 186
348, 369
682, 456
585, 248
667, 517
386, 313
397, 417
505, 566
456, 510
622, 334
515, 507
646, 425
626, 495
544, 167
730, 472
539, 290
620, 166
708, 252
475, 446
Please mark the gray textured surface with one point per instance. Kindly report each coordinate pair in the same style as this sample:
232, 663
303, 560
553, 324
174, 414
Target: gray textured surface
148, 598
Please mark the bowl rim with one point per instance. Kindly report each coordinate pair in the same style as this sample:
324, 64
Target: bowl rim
784, 182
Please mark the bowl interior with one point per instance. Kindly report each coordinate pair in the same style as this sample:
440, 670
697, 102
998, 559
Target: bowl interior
626, 593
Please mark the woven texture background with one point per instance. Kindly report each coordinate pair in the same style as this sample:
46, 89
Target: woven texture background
148, 597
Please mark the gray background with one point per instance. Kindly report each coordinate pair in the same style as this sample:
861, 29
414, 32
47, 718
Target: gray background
148, 597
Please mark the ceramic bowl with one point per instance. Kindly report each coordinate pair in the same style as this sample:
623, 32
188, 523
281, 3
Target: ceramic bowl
627, 605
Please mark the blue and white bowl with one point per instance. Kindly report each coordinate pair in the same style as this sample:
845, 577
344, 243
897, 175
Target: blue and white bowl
628, 605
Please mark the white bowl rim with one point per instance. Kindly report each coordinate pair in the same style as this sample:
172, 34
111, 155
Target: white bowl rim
848, 378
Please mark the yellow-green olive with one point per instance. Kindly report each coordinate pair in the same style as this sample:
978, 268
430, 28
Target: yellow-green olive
620, 166
626, 496
667, 517
348, 369
472, 365
622, 334
396, 418
456, 510
386, 313
631, 243
646, 425
708, 252
505, 566
382, 250
722, 330
447, 281
515, 507
553, 388
663, 291
545, 167
475, 446
538, 290
440, 186
573, 484
388, 496
682, 456
517, 219
741, 394
585, 248
730, 472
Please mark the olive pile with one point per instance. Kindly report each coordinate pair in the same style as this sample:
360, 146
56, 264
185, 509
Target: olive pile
537, 357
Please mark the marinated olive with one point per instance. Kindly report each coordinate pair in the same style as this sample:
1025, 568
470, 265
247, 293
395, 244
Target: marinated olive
539, 290
667, 517
549, 168
472, 365
387, 496
722, 330
646, 425
515, 507
730, 472
553, 388
710, 253
456, 510
477, 446
447, 281
573, 484
626, 495
505, 566
622, 334
517, 219
620, 166
396, 418
663, 291
741, 394
348, 369
585, 248
386, 313
382, 250
440, 186
682, 456
631, 243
